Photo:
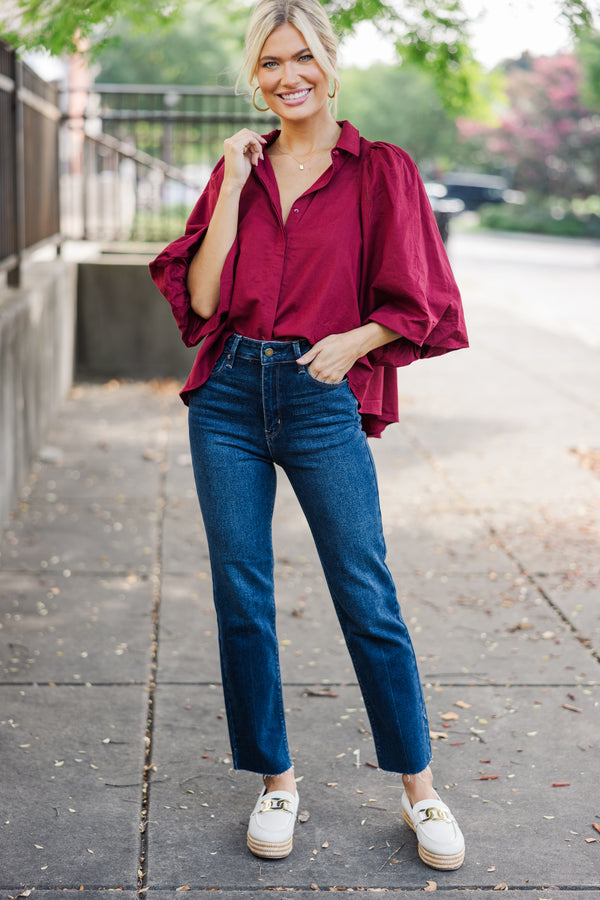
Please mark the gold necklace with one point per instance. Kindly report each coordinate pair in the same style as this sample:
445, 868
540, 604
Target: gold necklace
287, 153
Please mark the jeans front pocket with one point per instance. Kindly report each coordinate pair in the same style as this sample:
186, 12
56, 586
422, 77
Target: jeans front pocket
326, 384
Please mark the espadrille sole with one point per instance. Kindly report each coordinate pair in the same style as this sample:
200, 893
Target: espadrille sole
269, 850
436, 860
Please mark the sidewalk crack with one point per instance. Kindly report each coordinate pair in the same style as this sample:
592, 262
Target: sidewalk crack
142, 872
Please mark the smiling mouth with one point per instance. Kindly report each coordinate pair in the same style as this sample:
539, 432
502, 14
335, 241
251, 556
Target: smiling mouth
296, 95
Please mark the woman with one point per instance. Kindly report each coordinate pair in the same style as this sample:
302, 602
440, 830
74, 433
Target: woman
311, 267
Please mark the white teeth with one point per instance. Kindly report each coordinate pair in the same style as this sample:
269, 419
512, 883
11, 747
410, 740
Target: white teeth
296, 96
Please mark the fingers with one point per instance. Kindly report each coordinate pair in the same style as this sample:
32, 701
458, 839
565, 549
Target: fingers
321, 366
307, 357
242, 151
330, 358
247, 143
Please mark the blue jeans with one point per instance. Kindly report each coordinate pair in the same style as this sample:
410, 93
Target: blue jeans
260, 408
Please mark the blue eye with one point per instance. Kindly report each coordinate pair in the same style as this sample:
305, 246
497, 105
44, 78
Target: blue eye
306, 56
269, 64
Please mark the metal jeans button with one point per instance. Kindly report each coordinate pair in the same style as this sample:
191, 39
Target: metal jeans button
269, 351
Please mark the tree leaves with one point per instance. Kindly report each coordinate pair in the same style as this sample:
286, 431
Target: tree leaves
433, 34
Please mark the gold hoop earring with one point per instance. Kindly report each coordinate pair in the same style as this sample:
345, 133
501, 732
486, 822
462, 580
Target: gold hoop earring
331, 96
254, 103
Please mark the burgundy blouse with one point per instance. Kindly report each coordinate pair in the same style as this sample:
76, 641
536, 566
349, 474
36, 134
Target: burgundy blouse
360, 245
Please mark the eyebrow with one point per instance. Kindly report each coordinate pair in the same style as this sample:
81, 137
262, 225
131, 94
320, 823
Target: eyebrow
295, 55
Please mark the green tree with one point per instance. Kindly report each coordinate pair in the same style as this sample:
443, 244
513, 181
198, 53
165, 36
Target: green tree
588, 54
202, 47
431, 33
400, 104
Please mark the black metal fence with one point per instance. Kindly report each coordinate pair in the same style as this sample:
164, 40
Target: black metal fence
29, 162
136, 157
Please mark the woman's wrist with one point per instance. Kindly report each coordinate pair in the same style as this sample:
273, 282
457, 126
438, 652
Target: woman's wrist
231, 188
373, 335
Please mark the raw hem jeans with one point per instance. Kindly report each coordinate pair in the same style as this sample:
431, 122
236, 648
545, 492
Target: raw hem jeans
260, 408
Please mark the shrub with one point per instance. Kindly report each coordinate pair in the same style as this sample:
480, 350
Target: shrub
539, 218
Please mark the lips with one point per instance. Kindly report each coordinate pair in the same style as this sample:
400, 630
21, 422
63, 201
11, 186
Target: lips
295, 96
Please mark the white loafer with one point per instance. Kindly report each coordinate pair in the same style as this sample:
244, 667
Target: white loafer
440, 840
271, 826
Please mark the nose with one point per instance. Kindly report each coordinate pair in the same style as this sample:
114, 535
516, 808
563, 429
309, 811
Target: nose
290, 74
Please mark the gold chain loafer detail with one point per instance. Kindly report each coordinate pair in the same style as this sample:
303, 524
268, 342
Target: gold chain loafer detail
271, 826
440, 841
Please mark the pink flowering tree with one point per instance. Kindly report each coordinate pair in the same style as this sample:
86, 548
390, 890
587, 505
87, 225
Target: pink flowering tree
547, 139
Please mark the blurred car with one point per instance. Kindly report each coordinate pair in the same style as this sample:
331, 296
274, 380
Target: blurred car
444, 207
475, 189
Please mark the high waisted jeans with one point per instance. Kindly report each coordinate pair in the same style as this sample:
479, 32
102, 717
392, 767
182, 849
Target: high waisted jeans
260, 408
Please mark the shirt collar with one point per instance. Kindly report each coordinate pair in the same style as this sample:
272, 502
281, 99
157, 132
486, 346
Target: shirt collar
349, 139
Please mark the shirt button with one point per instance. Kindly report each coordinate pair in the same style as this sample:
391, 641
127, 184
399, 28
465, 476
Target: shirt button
269, 351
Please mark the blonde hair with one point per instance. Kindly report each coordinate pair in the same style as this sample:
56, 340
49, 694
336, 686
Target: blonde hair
311, 20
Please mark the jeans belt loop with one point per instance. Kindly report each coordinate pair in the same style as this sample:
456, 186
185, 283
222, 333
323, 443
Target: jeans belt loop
232, 350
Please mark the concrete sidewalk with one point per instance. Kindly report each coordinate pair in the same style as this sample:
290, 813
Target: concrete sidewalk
116, 771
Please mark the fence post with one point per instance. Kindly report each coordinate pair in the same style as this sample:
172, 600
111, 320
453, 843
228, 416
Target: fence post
13, 276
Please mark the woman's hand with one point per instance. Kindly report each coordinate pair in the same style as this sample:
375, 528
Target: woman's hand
241, 151
333, 356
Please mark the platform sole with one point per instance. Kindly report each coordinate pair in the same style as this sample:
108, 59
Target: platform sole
443, 863
269, 850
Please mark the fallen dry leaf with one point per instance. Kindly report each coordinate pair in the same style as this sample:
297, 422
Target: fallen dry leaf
319, 692
561, 784
486, 778
184, 887
449, 716
596, 826
462, 705
520, 626
572, 708
501, 887
431, 886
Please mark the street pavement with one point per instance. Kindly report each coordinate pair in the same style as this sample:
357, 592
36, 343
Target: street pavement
116, 771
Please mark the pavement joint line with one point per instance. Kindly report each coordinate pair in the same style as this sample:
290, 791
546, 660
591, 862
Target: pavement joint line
514, 559
143, 575
359, 889
585, 642
161, 506
71, 684
298, 889
427, 682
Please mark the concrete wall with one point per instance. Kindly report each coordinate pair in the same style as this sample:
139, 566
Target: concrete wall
37, 328
125, 328
105, 314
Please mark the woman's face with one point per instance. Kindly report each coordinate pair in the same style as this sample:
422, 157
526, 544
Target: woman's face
290, 79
